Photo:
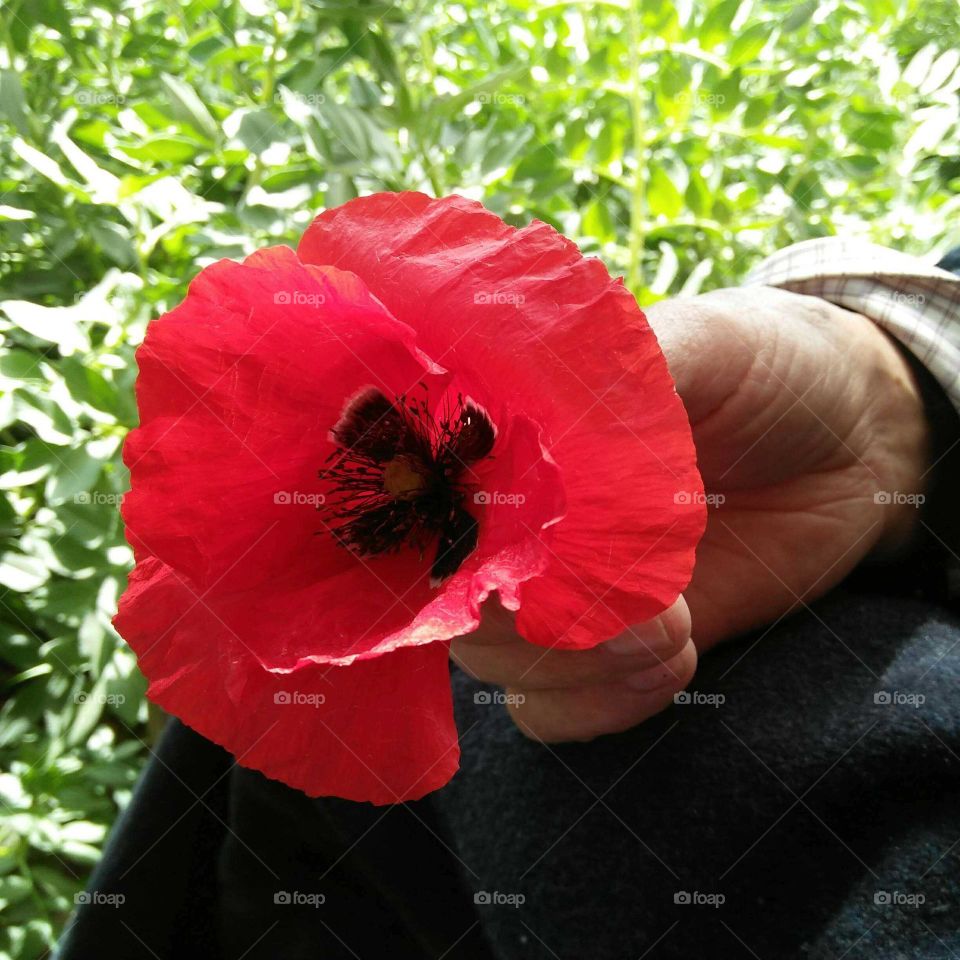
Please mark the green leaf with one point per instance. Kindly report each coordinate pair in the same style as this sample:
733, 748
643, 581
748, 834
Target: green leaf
115, 243
697, 195
666, 271
12, 102
255, 129
163, 149
597, 221
188, 106
74, 473
43, 164
53, 324
13, 889
940, 72
15, 213
799, 15
919, 66
715, 28
748, 43
88, 385
22, 573
25, 464
663, 197
19, 366
48, 419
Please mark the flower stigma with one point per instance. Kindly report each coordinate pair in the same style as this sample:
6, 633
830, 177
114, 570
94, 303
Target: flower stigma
400, 476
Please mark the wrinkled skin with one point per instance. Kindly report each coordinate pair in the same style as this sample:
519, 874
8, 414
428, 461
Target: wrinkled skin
802, 413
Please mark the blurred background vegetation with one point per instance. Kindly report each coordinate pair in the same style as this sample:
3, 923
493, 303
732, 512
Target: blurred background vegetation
141, 139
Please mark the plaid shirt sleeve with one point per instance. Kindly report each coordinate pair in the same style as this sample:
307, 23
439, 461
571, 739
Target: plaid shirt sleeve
914, 302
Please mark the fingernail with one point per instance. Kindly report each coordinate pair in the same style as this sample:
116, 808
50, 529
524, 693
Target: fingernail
649, 638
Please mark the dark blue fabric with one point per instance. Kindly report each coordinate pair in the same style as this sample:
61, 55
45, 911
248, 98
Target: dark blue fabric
800, 800
161, 859
951, 261
214, 862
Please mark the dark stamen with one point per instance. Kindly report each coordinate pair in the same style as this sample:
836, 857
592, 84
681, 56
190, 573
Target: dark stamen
398, 477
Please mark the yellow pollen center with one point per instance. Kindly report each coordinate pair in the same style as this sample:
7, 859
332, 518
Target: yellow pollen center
400, 480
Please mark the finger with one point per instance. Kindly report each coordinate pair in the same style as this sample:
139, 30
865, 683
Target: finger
582, 713
506, 659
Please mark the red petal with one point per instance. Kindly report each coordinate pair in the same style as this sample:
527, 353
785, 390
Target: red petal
521, 314
238, 389
380, 730
366, 607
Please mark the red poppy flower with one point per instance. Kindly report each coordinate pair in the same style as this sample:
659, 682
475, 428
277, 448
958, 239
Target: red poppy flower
343, 451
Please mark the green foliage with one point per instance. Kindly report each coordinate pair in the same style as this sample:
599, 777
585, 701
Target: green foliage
141, 140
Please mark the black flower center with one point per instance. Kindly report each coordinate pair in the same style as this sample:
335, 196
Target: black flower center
399, 477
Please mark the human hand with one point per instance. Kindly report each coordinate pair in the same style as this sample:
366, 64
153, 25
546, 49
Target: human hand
804, 415
811, 439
